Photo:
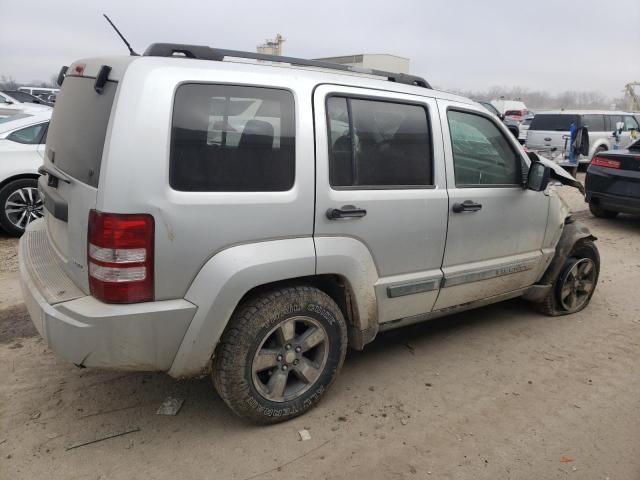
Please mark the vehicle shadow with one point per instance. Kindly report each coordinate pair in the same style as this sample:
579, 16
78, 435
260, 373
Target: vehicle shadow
120, 398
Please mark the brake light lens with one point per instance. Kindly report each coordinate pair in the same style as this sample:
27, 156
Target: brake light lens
605, 162
120, 257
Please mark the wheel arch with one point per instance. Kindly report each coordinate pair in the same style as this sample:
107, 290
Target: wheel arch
21, 176
572, 233
230, 276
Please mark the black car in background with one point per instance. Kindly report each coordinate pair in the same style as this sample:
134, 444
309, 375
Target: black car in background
613, 182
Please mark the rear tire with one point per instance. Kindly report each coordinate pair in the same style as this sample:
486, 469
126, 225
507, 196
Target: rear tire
600, 212
20, 204
572, 290
280, 353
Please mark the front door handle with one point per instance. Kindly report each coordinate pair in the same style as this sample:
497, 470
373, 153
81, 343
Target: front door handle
466, 206
347, 211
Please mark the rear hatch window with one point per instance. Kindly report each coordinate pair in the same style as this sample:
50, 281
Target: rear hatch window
553, 122
79, 127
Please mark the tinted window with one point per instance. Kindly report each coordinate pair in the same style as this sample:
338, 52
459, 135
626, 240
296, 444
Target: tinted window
79, 127
612, 121
231, 138
594, 123
551, 121
33, 135
482, 155
378, 143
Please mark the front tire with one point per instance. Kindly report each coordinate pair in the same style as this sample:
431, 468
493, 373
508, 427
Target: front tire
20, 204
572, 290
280, 353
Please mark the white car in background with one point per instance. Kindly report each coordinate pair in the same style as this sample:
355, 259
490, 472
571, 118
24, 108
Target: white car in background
9, 106
22, 142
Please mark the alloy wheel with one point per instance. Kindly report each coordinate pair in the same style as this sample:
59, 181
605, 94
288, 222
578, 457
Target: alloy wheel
577, 284
23, 206
290, 359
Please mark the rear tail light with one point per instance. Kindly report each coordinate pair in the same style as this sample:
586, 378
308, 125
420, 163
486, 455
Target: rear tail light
120, 257
605, 162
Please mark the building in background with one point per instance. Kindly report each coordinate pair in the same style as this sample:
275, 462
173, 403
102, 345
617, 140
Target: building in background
378, 61
272, 47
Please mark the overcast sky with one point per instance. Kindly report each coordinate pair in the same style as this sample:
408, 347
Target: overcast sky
552, 45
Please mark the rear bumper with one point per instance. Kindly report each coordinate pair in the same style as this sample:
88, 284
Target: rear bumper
615, 203
616, 190
85, 331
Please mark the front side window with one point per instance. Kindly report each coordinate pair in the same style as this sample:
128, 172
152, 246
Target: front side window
482, 155
630, 123
377, 144
33, 135
227, 138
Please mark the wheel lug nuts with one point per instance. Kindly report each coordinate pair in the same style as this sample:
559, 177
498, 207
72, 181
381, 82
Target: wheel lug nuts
287, 346
295, 362
279, 358
298, 349
284, 367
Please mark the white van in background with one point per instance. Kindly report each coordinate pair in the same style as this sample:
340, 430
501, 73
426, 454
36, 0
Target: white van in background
504, 105
549, 131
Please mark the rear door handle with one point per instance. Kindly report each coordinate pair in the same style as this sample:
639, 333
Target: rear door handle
347, 211
466, 206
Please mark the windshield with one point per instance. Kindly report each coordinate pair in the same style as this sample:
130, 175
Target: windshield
558, 122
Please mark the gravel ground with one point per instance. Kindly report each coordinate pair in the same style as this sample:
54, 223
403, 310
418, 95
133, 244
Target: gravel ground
496, 393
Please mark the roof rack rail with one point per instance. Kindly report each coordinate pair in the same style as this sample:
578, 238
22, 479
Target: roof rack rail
217, 54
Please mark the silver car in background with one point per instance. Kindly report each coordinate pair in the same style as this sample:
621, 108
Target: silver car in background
608, 130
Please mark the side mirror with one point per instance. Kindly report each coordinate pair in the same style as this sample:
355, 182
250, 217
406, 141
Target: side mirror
538, 177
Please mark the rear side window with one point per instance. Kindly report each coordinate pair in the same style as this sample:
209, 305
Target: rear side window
378, 144
553, 122
594, 123
229, 138
613, 121
79, 126
33, 135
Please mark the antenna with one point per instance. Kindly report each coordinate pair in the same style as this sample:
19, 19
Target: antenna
131, 51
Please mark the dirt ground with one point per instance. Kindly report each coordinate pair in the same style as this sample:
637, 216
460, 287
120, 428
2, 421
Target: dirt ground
496, 393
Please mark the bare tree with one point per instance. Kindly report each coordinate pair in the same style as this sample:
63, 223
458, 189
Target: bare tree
7, 83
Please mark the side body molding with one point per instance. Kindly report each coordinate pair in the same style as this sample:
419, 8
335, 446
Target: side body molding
221, 284
351, 259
